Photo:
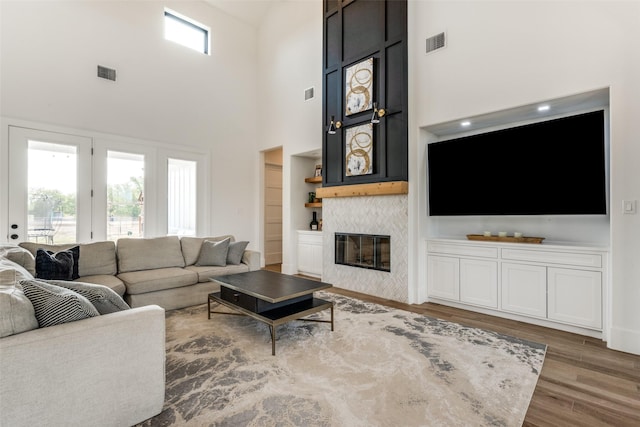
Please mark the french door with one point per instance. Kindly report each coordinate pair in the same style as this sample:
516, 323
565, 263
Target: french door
50, 186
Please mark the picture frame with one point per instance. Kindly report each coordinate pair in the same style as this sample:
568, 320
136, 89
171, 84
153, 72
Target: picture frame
359, 150
359, 87
318, 171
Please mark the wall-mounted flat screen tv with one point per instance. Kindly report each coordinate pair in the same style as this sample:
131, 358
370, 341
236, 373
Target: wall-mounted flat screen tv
555, 167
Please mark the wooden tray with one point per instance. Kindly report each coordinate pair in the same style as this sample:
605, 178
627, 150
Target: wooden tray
523, 239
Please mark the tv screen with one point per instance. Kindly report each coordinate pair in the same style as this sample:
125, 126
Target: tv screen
556, 167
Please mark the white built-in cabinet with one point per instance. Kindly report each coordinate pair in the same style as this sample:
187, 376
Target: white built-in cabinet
310, 253
558, 284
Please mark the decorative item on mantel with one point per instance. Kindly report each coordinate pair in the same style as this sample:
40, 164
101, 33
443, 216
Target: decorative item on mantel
516, 238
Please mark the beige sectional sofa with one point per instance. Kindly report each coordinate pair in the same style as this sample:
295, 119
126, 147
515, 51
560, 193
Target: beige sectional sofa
107, 370
159, 270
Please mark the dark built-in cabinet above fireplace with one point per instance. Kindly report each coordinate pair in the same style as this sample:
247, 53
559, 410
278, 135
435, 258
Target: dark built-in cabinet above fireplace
354, 32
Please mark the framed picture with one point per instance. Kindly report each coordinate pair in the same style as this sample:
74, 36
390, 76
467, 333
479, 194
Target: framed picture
359, 150
359, 87
318, 170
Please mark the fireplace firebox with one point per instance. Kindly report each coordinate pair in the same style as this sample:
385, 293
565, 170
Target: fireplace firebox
363, 250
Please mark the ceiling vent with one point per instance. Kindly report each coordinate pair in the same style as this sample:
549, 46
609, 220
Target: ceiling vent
106, 73
435, 42
308, 94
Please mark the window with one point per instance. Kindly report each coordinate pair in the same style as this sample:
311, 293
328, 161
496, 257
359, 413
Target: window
185, 31
125, 195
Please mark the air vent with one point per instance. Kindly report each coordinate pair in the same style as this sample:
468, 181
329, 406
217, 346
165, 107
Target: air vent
106, 73
308, 94
435, 42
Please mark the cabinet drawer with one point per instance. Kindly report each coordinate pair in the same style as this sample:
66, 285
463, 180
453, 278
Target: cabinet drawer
254, 304
311, 237
466, 250
550, 257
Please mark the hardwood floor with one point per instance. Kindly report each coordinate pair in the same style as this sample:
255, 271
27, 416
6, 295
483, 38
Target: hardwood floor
582, 383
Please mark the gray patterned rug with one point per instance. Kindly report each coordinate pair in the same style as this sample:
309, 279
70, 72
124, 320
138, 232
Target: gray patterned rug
380, 367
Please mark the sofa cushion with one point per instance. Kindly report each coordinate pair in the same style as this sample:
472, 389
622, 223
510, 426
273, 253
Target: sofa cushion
61, 265
111, 282
149, 253
54, 305
191, 246
20, 256
95, 258
140, 282
235, 252
103, 299
16, 312
213, 253
20, 272
206, 272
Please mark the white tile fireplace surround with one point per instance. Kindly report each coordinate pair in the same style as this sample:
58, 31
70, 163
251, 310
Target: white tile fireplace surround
381, 215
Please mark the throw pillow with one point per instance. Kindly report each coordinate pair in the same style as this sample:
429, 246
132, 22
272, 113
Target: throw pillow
20, 272
16, 312
54, 305
213, 253
235, 252
61, 265
104, 299
7, 276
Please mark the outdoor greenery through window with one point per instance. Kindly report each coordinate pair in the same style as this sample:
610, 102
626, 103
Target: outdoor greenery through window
125, 195
185, 31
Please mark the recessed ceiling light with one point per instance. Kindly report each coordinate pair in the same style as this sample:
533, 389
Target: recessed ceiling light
543, 108
465, 123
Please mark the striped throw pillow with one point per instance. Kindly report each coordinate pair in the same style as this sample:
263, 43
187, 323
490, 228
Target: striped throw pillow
55, 305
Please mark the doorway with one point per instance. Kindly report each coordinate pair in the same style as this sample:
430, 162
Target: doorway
273, 206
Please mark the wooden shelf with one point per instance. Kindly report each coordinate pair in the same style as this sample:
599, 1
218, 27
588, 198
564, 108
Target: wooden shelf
314, 180
313, 205
375, 189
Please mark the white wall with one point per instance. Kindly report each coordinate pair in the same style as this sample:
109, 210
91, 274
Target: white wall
290, 61
501, 55
164, 92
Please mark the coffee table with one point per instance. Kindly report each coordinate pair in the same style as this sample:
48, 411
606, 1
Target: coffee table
270, 297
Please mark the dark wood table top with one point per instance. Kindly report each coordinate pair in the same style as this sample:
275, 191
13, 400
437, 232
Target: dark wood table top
269, 285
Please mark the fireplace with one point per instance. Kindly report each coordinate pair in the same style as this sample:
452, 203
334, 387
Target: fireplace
363, 250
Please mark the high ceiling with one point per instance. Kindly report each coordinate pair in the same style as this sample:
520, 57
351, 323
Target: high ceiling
250, 11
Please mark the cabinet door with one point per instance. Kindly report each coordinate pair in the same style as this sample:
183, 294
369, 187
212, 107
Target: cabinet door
443, 277
479, 282
575, 296
310, 256
524, 289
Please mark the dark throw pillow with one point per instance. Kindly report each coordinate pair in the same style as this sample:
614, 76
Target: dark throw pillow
213, 253
54, 305
61, 265
104, 299
235, 252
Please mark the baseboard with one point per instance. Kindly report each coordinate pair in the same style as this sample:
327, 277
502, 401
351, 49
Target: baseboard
626, 340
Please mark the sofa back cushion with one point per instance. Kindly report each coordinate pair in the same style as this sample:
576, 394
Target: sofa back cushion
149, 253
191, 246
94, 259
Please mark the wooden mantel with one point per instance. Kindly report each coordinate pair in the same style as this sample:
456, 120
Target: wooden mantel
356, 190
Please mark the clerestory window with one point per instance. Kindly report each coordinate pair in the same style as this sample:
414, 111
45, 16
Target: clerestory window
185, 31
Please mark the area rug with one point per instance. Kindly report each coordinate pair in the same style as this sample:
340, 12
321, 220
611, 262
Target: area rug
380, 367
